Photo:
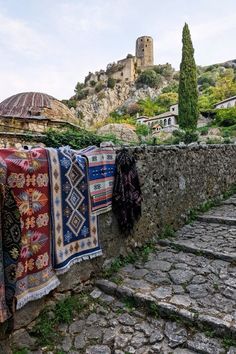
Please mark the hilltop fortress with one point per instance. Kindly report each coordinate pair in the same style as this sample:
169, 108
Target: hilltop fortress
127, 70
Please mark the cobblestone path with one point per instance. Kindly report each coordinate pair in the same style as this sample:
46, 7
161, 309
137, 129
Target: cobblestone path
182, 300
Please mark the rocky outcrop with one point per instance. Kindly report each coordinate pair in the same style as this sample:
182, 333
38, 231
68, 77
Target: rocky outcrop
121, 131
96, 107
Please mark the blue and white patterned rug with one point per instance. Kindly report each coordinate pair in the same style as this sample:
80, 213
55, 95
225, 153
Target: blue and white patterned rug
74, 234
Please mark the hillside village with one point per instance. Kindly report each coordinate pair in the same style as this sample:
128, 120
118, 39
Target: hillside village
118, 211
134, 100
136, 91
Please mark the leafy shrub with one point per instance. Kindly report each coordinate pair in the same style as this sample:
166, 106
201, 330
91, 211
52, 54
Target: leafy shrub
203, 130
99, 87
79, 86
111, 82
70, 103
187, 136
76, 139
92, 83
213, 141
173, 87
150, 78
82, 94
142, 129
165, 70
226, 117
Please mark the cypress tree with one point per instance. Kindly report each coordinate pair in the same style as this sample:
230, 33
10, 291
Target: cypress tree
188, 94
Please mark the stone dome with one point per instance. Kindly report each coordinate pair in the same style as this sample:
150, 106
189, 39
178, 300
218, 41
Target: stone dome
36, 105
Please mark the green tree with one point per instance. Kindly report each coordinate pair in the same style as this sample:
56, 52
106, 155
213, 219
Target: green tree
148, 107
111, 82
79, 86
165, 100
188, 94
150, 78
142, 129
225, 86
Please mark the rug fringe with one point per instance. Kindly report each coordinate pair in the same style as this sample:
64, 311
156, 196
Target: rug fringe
78, 260
35, 295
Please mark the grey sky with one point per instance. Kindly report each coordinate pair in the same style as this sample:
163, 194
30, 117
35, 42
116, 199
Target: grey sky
49, 45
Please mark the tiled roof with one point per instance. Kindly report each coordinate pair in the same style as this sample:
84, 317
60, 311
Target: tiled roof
163, 115
226, 100
25, 105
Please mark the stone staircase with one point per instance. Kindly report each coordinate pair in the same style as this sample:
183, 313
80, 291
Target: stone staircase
190, 277
181, 300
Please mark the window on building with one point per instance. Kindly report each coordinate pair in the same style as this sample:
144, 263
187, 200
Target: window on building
146, 45
142, 50
147, 39
165, 122
169, 121
121, 74
173, 108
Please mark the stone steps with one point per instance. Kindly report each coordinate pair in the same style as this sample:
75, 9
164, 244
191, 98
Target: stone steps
217, 219
182, 285
223, 214
203, 238
191, 276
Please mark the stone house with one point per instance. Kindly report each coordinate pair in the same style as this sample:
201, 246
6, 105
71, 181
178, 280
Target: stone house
168, 120
227, 103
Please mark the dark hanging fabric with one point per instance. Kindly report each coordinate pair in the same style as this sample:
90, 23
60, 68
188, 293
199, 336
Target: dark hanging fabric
126, 200
11, 245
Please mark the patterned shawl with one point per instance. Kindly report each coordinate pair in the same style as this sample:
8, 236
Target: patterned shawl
11, 231
101, 177
126, 200
4, 311
27, 176
74, 227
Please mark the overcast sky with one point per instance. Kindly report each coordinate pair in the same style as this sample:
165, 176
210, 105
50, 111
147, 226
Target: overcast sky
49, 45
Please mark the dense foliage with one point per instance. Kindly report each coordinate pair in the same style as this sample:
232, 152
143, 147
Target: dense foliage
111, 82
149, 78
142, 130
75, 139
188, 93
226, 117
220, 84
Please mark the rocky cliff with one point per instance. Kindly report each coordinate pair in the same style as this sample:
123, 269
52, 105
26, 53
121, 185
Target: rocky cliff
94, 109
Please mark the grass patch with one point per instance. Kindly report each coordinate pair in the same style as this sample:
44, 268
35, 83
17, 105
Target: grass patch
21, 351
167, 232
141, 253
153, 310
228, 342
64, 311
130, 303
204, 207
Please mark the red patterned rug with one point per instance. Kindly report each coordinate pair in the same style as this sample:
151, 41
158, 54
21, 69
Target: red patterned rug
27, 176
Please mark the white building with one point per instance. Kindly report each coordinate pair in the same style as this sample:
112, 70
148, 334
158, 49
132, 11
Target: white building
164, 119
227, 103
142, 119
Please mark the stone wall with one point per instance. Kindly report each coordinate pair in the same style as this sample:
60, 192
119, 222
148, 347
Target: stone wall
173, 180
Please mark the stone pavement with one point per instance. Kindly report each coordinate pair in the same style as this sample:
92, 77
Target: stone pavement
181, 300
115, 328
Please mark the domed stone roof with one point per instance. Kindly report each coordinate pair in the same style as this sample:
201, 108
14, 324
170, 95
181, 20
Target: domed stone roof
36, 105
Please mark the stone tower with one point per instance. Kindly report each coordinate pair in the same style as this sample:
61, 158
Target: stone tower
144, 51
